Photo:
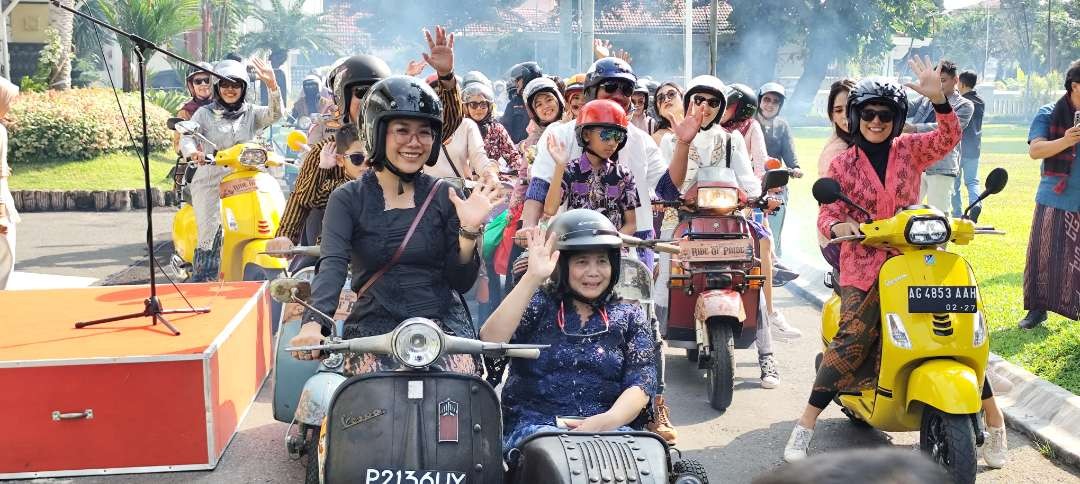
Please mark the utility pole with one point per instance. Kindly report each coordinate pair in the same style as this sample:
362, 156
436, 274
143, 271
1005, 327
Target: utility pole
688, 40
1049, 38
566, 35
5, 55
588, 8
713, 26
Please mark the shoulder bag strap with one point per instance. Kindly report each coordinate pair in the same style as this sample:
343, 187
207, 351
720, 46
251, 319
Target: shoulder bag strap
401, 248
450, 160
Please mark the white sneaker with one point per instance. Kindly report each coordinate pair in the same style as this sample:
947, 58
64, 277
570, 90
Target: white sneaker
994, 450
798, 443
770, 375
781, 328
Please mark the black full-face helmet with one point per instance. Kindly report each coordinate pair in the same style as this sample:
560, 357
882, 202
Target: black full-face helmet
583, 230
877, 90
358, 70
745, 101
710, 85
398, 97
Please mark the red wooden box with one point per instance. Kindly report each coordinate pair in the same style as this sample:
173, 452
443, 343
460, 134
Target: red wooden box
134, 398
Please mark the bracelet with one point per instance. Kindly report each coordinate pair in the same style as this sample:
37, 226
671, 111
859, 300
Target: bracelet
447, 77
681, 142
469, 235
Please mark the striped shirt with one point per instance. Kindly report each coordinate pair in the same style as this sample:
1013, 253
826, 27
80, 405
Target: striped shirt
314, 185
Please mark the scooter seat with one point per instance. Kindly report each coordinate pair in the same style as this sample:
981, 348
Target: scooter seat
583, 457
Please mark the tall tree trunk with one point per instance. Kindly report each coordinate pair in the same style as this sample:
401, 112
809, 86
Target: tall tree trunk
63, 22
126, 72
821, 53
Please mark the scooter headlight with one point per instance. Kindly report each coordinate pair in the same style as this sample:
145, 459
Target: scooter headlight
418, 342
718, 198
979, 331
927, 231
253, 157
897, 332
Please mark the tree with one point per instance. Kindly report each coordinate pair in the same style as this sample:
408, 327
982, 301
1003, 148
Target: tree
763, 26
63, 23
412, 16
220, 30
157, 21
286, 27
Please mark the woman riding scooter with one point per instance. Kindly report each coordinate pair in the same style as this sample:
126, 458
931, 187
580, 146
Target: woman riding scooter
199, 85
409, 238
600, 367
880, 173
227, 121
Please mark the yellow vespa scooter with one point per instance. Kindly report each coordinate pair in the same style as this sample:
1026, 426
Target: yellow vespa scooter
934, 338
251, 206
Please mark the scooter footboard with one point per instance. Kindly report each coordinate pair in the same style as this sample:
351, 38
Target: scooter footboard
947, 385
581, 457
418, 422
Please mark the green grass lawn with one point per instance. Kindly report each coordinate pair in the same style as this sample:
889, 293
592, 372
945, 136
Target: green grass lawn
1051, 351
113, 171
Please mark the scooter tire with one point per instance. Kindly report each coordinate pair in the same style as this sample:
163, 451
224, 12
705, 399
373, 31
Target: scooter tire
311, 453
949, 440
721, 367
689, 468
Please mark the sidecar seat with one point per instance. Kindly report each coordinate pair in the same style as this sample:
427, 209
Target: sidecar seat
582, 457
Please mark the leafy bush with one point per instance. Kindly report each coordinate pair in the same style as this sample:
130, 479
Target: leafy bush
79, 124
170, 101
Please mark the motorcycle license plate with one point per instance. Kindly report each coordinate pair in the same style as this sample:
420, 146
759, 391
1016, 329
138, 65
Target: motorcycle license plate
386, 476
716, 250
942, 299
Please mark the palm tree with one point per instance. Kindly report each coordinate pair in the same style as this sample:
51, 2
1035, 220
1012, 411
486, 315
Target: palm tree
286, 27
63, 22
221, 22
157, 21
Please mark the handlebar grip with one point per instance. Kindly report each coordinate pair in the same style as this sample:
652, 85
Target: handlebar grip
669, 248
530, 353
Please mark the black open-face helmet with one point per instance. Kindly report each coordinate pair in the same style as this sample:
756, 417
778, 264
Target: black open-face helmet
583, 230
526, 71
710, 85
358, 70
393, 98
745, 101
877, 90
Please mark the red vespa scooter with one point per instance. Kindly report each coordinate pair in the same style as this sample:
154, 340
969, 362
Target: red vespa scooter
714, 288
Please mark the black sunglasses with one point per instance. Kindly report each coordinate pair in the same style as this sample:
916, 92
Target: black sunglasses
713, 102
868, 115
611, 86
664, 96
230, 85
357, 159
200, 80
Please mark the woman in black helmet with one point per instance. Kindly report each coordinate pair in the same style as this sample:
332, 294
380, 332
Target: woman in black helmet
600, 366
400, 268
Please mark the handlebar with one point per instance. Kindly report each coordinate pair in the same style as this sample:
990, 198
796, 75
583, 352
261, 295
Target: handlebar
382, 345
846, 238
301, 250
655, 244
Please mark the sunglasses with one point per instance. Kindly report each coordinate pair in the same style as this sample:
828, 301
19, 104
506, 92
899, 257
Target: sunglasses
612, 134
357, 159
664, 96
611, 87
200, 80
713, 102
476, 104
561, 320
868, 115
230, 85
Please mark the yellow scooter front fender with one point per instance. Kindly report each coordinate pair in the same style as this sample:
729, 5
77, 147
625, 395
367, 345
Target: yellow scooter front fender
946, 385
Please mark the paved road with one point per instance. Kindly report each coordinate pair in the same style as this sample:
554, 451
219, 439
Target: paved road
736, 446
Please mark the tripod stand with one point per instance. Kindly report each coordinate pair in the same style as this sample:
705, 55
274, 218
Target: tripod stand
152, 305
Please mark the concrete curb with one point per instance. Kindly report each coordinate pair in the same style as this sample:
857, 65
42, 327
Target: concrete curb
1043, 411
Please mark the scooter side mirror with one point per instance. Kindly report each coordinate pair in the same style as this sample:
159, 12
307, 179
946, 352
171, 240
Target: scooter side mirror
776, 179
303, 122
996, 180
827, 190
297, 140
171, 123
283, 290
185, 127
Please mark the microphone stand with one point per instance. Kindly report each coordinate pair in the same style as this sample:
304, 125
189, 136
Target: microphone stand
151, 306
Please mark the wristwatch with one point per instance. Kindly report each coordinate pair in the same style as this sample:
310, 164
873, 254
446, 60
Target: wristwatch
447, 77
469, 235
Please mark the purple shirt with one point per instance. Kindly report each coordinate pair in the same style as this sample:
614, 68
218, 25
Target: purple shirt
609, 190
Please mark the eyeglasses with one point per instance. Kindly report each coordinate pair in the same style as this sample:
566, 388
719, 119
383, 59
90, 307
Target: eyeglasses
200, 81
230, 85
885, 115
357, 159
612, 134
713, 101
621, 86
404, 137
664, 96
476, 104
561, 320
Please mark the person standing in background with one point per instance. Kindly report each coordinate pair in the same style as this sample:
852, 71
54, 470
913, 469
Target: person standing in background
970, 148
937, 181
8, 216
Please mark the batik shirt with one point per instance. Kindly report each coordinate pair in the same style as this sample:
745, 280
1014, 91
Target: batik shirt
577, 375
609, 190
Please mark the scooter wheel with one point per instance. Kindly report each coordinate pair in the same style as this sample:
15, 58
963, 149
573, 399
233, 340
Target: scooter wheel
688, 471
311, 455
950, 441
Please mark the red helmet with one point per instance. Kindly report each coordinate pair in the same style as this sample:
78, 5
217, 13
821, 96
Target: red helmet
601, 113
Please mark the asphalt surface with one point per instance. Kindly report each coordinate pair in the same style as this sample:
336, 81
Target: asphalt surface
744, 442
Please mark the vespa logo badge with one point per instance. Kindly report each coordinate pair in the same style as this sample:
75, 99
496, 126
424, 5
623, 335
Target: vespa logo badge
448, 421
929, 259
348, 421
